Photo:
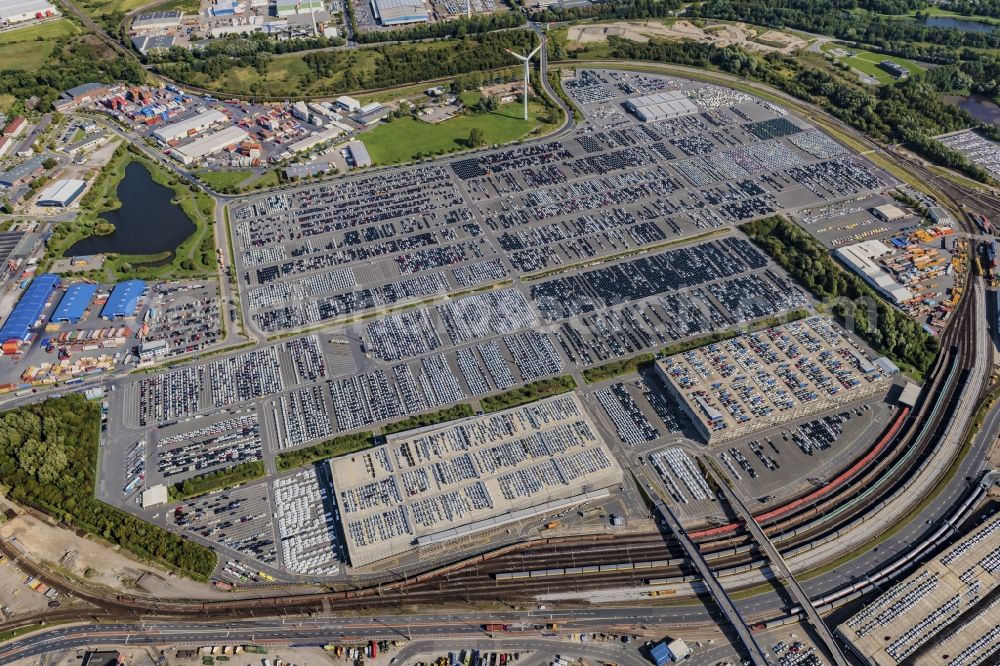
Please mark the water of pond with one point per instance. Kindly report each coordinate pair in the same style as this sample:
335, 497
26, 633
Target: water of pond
981, 108
958, 23
147, 222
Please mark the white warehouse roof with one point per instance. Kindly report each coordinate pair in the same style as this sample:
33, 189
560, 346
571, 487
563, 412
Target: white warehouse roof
194, 124
394, 12
11, 9
61, 193
666, 104
211, 143
861, 257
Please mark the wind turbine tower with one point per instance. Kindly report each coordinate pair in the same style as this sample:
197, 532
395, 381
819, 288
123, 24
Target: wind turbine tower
527, 62
468, 9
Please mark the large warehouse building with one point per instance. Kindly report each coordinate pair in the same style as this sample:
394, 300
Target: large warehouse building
73, 305
210, 143
428, 487
124, 299
62, 193
19, 11
190, 126
757, 380
661, 105
399, 12
862, 259
29, 308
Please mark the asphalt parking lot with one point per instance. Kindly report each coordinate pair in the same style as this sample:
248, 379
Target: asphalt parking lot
482, 273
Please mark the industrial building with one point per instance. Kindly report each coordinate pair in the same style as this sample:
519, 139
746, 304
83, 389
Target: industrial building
29, 308
74, 303
210, 143
82, 94
431, 486
861, 258
313, 140
894, 68
151, 43
190, 126
348, 104
672, 651
370, 113
285, 8
157, 21
62, 193
19, 11
757, 380
399, 12
359, 154
942, 613
661, 105
888, 212
124, 299
22, 173
86, 144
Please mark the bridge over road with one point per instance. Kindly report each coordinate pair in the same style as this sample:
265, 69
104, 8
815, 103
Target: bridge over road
757, 655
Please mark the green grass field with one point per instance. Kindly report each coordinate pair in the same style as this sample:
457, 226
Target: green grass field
867, 62
104, 7
406, 138
28, 48
222, 179
25, 56
40, 31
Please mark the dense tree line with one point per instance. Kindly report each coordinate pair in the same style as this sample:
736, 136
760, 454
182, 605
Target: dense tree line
543, 388
218, 55
459, 27
836, 18
459, 411
222, 478
909, 112
399, 64
78, 61
607, 11
976, 54
338, 446
48, 458
973, 7
894, 333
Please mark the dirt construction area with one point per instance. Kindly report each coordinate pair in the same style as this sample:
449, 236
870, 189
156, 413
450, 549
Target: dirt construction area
94, 563
720, 34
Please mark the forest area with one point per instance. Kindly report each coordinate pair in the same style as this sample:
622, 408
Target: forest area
48, 460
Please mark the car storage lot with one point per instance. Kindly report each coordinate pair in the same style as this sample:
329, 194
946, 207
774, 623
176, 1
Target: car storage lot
392, 294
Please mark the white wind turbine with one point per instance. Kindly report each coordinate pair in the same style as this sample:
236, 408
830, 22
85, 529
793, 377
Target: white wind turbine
527, 61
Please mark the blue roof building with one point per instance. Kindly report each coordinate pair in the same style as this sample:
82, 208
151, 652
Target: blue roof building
660, 654
124, 299
29, 309
74, 302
